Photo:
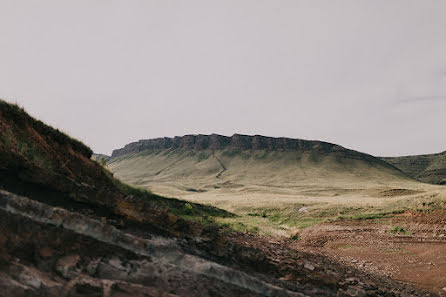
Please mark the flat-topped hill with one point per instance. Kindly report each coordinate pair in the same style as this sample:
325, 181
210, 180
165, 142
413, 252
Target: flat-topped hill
238, 142
210, 163
218, 142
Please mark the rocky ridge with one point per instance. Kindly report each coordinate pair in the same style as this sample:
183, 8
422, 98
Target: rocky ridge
240, 142
50, 251
218, 142
132, 261
76, 231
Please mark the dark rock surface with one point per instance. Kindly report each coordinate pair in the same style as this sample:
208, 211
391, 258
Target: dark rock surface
49, 251
217, 142
242, 142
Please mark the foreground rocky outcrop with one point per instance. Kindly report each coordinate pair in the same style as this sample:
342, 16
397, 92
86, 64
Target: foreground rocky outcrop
49, 251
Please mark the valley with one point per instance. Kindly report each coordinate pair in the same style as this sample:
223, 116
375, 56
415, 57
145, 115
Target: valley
277, 191
211, 216
354, 207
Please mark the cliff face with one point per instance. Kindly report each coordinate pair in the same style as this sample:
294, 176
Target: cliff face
239, 142
218, 142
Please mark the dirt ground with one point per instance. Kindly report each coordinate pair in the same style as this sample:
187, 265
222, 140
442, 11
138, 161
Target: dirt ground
414, 255
410, 248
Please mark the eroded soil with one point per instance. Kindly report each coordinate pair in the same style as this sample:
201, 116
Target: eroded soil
410, 248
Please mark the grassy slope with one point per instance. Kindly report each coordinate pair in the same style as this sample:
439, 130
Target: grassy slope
279, 191
200, 169
43, 163
426, 168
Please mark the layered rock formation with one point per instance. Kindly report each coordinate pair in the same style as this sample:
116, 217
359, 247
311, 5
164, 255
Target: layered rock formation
53, 252
239, 142
218, 142
49, 251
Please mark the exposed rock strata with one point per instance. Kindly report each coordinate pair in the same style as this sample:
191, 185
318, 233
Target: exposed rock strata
49, 251
100, 257
239, 142
217, 142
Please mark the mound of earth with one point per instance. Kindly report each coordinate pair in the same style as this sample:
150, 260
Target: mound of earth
426, 168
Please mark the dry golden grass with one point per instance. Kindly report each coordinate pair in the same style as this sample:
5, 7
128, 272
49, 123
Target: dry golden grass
277, 192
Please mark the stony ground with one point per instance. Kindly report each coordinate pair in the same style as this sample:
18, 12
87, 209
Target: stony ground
410, 247
48, 251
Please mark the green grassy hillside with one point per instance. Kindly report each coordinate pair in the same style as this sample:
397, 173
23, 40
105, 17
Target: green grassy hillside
42, 163
211, 170
426, 168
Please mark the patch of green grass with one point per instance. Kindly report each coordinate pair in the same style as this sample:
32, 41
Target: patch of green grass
260, 156
345, 247
365, 216
289, 216
231, 153
399, 230
262, 214
188, 210
202, 156
292, 216
26, 149
307, 222
240, 227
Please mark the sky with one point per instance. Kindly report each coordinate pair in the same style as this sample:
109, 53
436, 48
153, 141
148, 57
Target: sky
367, 75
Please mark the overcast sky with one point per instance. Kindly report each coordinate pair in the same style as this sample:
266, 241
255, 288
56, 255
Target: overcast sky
368, 75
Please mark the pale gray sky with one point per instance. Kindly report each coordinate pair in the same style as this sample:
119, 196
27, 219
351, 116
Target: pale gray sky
368, 75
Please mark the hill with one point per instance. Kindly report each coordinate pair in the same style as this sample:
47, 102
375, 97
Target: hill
429, 168
75, 230
295, 183
210, 162
47, 165
217, 166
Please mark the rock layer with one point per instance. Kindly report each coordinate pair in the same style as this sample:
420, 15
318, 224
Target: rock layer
49, 251
217, 142
238, 142
97, 257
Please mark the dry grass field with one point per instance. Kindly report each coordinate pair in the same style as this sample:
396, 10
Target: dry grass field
278, 192
360, 211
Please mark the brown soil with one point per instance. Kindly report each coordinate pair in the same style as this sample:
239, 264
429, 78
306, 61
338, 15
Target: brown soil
414, 254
